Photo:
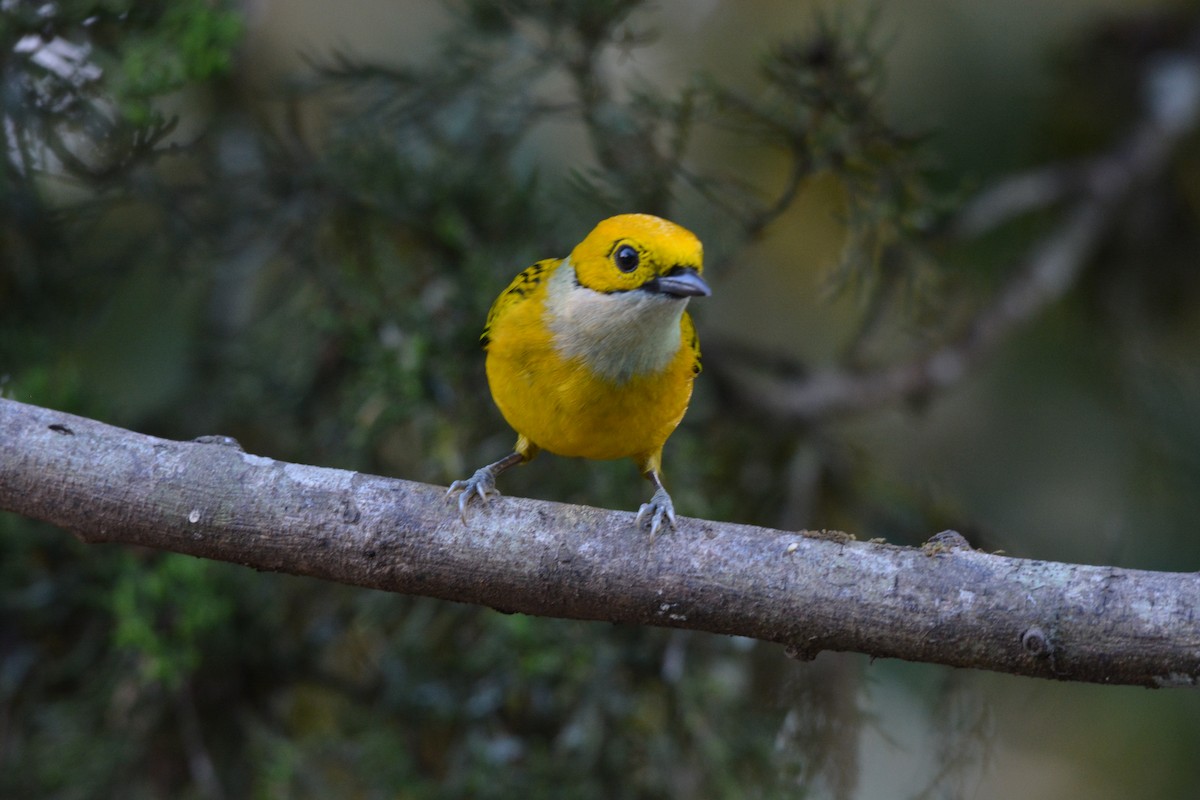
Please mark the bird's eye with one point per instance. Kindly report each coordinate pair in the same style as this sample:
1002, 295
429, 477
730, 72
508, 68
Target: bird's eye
626, 258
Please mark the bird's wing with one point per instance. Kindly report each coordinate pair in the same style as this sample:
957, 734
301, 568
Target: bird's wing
521, 288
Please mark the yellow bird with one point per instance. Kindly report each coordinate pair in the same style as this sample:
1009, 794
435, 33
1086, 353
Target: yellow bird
594, 355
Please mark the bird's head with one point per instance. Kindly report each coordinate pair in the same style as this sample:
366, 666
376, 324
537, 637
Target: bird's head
641, 253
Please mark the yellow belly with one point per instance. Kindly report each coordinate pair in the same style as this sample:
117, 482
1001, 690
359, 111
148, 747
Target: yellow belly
563, 407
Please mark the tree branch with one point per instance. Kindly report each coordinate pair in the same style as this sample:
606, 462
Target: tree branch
943, 603
1051, 269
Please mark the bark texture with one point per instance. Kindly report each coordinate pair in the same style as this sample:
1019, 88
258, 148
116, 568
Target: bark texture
943, 603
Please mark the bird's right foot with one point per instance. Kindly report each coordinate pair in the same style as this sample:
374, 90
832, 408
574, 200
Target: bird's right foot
482, 485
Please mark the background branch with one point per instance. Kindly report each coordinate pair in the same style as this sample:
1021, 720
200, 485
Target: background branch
943, 603
1052, 267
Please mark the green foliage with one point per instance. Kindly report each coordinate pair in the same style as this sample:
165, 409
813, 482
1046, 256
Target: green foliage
165, 614
181, 43
823, 107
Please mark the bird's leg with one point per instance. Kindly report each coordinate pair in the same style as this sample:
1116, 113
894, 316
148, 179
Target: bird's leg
660, 508
483, 482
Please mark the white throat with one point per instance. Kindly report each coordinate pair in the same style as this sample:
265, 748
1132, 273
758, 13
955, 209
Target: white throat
620, 335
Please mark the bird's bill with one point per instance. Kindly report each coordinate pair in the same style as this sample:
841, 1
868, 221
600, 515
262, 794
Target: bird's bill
680, 282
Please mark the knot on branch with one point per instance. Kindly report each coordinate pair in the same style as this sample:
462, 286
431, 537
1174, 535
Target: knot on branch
802, 652
1176, 680
219, 439
1036, 643
945, 542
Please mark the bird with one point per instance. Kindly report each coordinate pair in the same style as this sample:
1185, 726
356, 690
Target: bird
594, 355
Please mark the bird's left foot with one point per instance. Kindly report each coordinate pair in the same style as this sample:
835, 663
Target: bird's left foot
659, 510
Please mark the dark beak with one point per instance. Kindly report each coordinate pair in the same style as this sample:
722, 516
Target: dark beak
680, 282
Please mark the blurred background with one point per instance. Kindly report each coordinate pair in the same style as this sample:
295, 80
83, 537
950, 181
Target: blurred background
285, 222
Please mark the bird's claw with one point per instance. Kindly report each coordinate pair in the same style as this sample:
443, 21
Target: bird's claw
660, 509
481, 484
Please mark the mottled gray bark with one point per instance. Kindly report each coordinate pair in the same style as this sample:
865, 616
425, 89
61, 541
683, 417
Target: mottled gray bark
943, 603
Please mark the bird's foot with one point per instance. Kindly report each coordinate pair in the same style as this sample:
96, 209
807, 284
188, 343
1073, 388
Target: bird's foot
660, 509
482, 485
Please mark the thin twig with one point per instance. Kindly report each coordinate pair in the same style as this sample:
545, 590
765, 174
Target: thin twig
200, 762
1016, 195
